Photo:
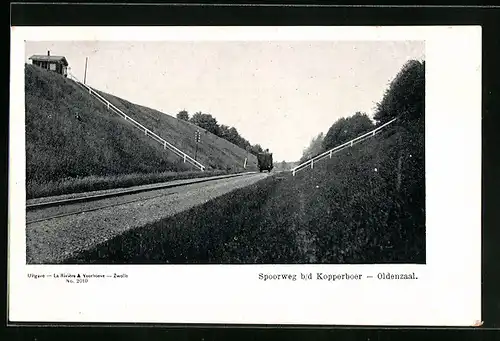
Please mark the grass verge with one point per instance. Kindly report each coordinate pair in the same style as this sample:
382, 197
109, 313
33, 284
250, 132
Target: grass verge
36, 189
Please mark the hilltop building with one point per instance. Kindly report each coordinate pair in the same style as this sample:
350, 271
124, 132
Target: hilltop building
57, 64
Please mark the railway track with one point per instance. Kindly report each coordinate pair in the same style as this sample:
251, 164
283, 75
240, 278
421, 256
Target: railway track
59, 231
57, 204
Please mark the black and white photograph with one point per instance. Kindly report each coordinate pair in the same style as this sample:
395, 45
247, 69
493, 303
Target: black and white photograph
249, 152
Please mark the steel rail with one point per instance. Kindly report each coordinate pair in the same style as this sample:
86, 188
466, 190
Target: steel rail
94, 197
94, 208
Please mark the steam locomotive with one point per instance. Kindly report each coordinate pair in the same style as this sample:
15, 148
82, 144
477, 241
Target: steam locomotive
265, 161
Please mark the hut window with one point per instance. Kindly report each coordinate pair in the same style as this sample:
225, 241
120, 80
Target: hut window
52, 67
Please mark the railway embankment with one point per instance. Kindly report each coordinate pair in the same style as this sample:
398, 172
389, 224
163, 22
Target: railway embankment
75, 144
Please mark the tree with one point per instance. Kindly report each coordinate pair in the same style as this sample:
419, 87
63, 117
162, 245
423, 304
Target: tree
283, 165
256, 149
405, 97
209, 123
245, 144
206, 121
233, 136
345, 129
314, 148
224, 131
183, 115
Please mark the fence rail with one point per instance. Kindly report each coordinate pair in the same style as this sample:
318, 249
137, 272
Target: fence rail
310, 162
147, 132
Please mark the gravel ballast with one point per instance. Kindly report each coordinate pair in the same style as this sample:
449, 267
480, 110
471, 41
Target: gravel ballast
52, 241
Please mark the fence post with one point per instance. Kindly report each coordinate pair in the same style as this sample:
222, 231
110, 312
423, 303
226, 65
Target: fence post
108, 105
331, 154
165, 145
184, 157
312, 164
373, 134
293, 172
146, 131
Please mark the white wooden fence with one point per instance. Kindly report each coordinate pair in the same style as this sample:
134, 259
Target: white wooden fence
147, 132
310, 163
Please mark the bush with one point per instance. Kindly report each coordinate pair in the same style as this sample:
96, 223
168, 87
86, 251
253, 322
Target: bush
345, 129
183, 115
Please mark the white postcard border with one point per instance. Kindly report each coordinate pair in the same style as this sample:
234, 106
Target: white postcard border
447, 293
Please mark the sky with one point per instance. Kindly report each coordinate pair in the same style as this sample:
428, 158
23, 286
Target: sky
277, 94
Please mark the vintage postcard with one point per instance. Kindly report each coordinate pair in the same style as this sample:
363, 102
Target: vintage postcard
246, 175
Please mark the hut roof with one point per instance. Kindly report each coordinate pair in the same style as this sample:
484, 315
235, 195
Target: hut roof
46, 58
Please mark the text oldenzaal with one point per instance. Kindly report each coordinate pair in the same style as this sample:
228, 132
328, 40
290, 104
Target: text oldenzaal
331, 277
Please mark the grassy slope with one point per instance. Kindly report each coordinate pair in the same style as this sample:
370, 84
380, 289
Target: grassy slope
343, 211
213, 151
101, 144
